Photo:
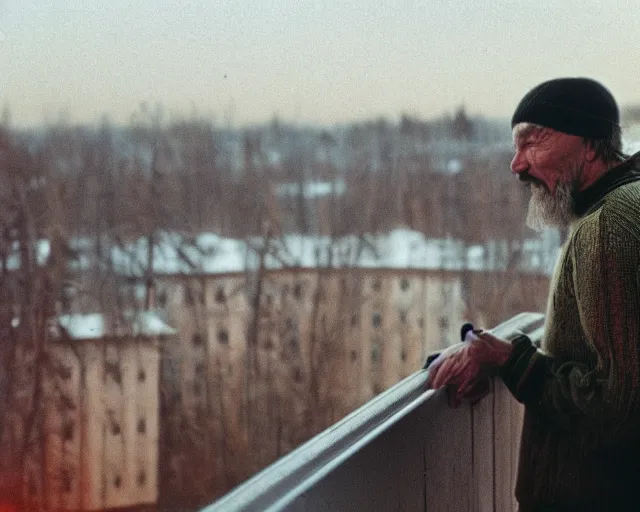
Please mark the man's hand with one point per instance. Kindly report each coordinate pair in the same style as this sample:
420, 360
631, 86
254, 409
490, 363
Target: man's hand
467, 370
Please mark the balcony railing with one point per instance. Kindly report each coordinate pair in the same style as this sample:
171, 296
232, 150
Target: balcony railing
403, 450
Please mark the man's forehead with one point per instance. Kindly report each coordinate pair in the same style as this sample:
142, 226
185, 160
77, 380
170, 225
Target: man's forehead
523, 130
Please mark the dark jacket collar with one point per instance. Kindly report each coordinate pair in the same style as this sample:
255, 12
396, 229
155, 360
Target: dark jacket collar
626, 172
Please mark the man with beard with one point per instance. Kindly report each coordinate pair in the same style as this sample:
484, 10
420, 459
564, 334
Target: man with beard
580, 447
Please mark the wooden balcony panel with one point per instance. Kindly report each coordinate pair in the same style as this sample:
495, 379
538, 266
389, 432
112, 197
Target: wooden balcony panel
403, 450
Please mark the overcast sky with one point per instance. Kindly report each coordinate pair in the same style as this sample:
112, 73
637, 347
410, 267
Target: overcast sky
304, 61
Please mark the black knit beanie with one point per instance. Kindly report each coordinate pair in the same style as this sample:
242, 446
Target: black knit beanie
577, 106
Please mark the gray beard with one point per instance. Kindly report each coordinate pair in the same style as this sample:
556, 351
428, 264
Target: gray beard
551, 211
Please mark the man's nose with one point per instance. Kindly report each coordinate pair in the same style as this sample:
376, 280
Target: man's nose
518, 163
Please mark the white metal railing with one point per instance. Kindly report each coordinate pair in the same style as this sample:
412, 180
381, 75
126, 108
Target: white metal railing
403, 450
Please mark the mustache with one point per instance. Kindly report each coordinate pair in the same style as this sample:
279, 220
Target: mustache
528, 179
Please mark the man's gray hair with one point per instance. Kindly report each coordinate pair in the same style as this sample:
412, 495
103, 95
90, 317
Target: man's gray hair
609, 150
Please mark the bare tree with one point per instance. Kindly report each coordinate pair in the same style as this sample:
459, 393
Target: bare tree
33, 250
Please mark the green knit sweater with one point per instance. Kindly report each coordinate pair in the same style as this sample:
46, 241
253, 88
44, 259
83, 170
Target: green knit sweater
580, 447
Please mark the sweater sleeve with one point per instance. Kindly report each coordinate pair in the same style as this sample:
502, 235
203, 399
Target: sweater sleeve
601, 399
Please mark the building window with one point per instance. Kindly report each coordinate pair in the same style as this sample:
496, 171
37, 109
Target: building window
443, 322
446, 293
199, 370
376, 320
197, 388
297, 291
421, 323
375, 352
66, 372
404, 284
354, 355
115, 428
403, 317
117, 482
223, 336
403, 355
376, 285
67, 481
297, 375
33, 488
220, 297
67, 296
141, 375
354, 320
113, 369
142, 478
67, 431
294, 345
198, 340
188, 296
142, 426
162, 298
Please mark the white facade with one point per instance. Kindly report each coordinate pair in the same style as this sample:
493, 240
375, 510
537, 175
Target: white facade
102, 436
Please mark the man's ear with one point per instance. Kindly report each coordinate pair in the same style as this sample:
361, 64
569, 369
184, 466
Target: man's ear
590, 154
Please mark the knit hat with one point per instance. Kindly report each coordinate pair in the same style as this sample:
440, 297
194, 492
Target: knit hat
577, 106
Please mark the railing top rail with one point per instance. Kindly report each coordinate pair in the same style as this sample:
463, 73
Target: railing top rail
277, 485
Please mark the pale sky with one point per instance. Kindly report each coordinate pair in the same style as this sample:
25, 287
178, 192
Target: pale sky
304, 61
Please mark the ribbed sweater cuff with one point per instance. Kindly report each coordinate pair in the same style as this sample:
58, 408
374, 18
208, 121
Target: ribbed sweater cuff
523, 373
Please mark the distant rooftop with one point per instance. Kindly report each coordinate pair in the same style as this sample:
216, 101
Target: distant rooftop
210, 253
94, 326
312, 189
400, 249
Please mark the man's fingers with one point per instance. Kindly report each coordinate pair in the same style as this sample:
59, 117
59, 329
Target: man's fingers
471, 379
466, 386
467, 374
444, 373
434, 370
431, 377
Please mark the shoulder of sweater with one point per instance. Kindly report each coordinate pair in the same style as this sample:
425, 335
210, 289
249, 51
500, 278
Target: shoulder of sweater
624, 195
619, 211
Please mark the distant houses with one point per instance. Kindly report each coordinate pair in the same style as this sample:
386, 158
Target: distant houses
96, 447
230, 353
279, 338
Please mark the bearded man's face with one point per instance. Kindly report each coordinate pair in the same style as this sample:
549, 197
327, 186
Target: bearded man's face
550, 162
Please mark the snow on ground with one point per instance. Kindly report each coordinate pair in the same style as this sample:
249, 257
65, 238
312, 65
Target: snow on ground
312, 189
213, 254
399, 249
